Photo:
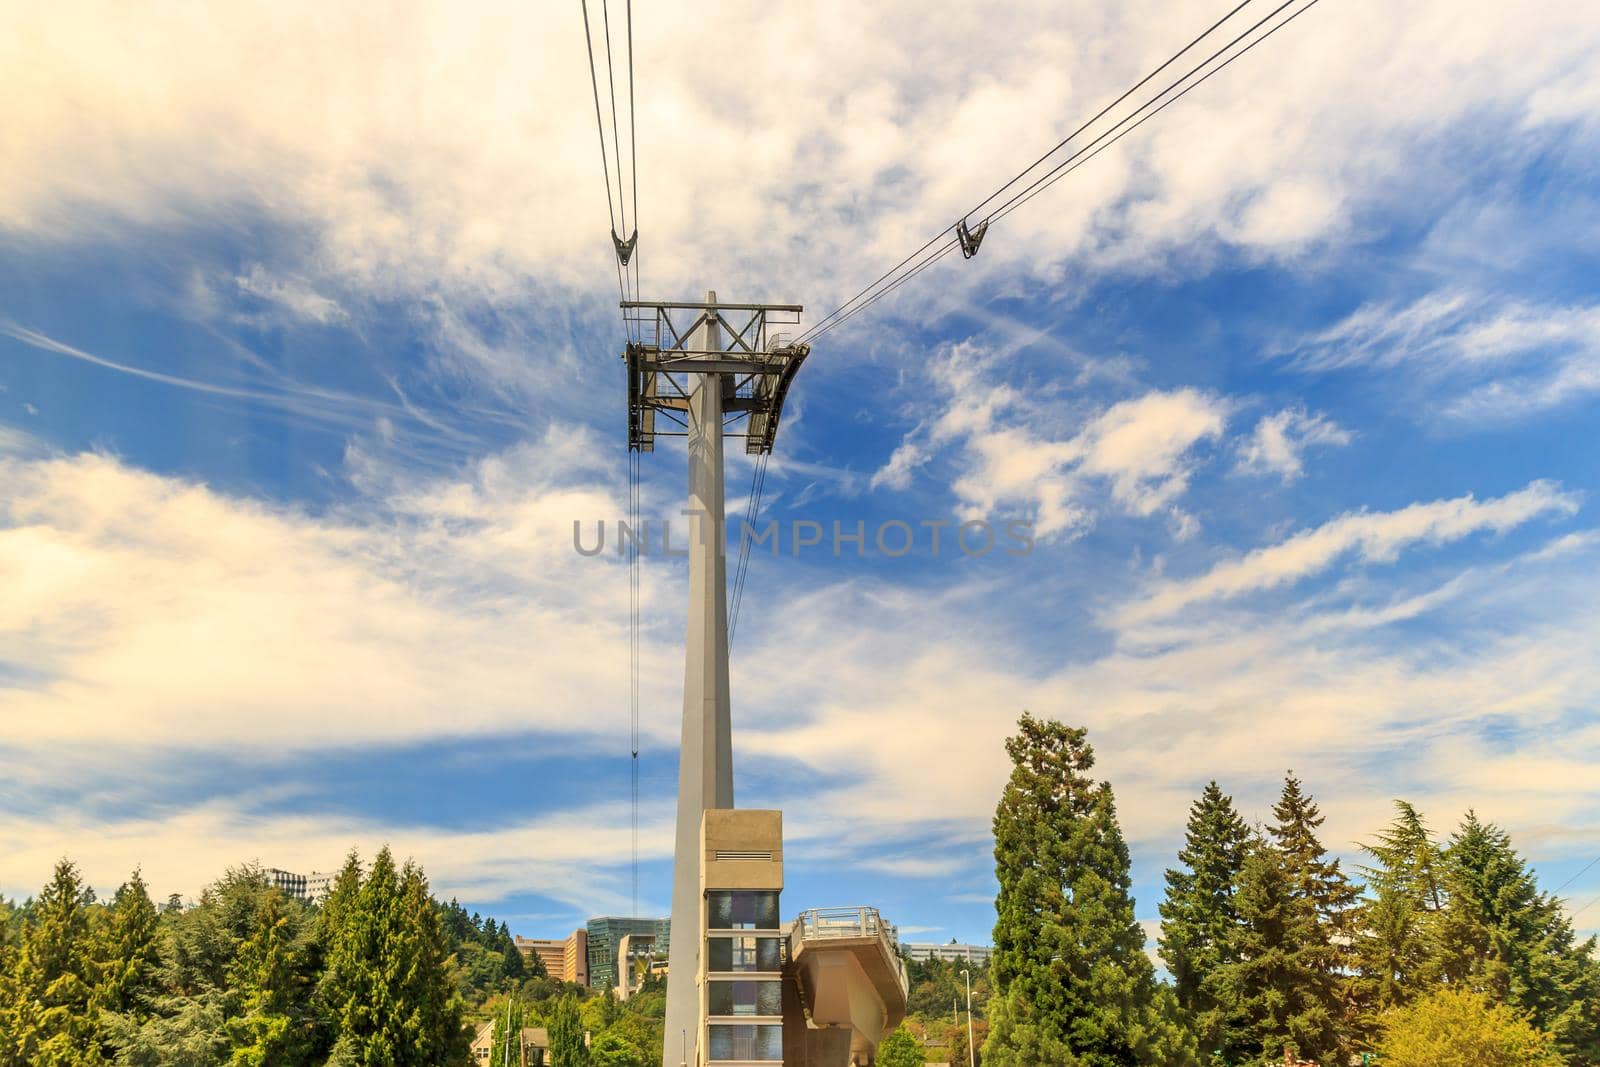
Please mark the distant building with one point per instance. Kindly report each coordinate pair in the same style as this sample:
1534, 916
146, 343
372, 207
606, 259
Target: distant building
605, 940
639, 959
566, 960
311, 887
287, 882
976, 955
535, 1050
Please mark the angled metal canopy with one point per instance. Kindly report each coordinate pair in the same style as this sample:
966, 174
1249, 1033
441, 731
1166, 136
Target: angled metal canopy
754, 364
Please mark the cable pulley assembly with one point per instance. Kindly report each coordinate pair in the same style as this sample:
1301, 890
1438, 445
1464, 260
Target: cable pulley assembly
971, 239
625, 248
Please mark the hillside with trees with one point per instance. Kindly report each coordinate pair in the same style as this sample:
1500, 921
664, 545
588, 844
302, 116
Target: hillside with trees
377, 973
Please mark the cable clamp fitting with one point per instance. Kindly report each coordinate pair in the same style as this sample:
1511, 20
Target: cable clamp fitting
625, 248
971, 239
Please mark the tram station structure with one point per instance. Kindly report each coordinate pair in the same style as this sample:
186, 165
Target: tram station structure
745, 989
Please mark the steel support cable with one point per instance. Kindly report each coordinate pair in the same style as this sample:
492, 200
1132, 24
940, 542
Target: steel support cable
1095, 147
758, 486
1068, 165
943, 251
611, 93
1587, 867
816, 330
599, 123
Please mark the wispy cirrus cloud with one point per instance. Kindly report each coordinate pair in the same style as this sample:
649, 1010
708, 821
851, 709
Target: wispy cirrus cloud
1492, 358
1372, 537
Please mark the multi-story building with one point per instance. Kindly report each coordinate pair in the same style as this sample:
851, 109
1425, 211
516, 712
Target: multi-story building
974, 955
639, 959
311, 887
565, 960
286, 882
605, 940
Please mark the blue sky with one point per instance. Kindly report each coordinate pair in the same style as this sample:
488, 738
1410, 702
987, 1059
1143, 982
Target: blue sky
306, 373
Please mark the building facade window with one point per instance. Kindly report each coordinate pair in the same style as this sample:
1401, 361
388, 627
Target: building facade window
741, 910
743, 1042
745, 998
744, 954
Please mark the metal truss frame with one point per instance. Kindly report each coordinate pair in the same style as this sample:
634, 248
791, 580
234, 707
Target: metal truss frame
755, 364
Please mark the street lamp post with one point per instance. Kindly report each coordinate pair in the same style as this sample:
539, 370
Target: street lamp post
972, 1053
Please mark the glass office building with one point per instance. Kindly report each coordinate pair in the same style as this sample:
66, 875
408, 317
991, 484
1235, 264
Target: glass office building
605, 940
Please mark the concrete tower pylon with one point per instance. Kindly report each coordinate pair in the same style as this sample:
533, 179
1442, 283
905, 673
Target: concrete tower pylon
705, 758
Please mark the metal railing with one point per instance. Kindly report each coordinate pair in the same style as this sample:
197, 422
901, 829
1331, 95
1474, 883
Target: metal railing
846, 922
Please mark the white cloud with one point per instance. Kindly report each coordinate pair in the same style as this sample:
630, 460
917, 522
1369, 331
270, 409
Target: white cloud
1374, 537
578, 856
294, 295
159, 611
1490, 357
1060, 460
419, 151
902, 463
1280, 441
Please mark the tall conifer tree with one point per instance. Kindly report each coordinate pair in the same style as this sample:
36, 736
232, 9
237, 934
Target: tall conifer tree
1199, 918
1280, 984
1504, 937
1074, 983
51, 1018
1397, 942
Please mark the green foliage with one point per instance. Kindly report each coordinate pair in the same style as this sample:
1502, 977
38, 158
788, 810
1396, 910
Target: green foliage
566, 1034
505, 1049
901, 1049
1200, 918
1281, 986
1501, 936
1455, 1027
1397, 944
957, 1043
390, 987
1075, 985
611, 1049
49, 1015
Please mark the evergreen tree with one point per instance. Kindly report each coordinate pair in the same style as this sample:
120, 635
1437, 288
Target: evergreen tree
1314, 875
566, 1034
391, 991
1501, 936
1074, 984
128, 956
1280, 986
50, 1018
275, 1027
1199, 919
1397, 943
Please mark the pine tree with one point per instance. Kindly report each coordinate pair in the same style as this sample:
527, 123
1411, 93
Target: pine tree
391, 988
1075, 985
275, 1027
1314, 875
1280, 985
128, 957
1501, 936
51, 1017
1317, 878
1199, 919
1397, 943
